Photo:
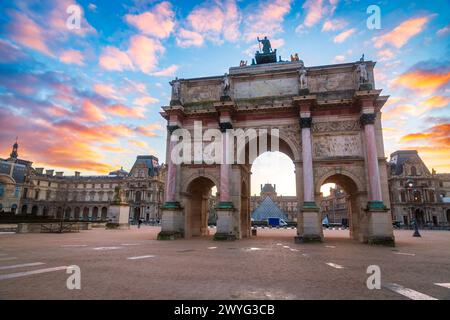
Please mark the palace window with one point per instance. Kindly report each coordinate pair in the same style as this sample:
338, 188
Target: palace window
413, 171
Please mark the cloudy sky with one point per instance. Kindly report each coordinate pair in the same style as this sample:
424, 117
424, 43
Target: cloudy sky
88, 99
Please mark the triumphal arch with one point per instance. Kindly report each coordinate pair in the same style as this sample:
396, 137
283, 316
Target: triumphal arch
328, 122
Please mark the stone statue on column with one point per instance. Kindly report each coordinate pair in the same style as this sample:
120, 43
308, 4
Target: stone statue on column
363, 75
225, 88
303, 80
118, 196
176, 92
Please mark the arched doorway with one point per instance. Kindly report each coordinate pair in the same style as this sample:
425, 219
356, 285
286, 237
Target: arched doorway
95, 213
67, 213
59, 213
342, 207
76, 214
104, 213
199, 192
45, 211
86, 213
419, 216
24, 209
137, 214
34, 210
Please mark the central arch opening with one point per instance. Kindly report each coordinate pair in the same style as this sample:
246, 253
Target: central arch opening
273, 202
200, 192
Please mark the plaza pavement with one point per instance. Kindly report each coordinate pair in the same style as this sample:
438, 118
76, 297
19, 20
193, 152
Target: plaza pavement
132, 264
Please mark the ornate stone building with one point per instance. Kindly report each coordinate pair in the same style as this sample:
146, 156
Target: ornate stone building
49, 193
326, 118
288, 204
416, 193
334, 206
12, 178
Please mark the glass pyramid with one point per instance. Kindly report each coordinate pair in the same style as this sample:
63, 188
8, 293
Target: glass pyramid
268, 209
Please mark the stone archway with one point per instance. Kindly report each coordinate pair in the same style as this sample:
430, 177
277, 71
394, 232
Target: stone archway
356, 197
333, 124
196, 200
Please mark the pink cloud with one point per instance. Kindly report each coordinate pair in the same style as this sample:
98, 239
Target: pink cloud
126, 112
314, 9
72, 57
91, 112
443, 31
401, 34
114, 59
273, 13
167, 72
158, 22
26, 32
341, 37
145, 100
217, 22
334, 25
188, 38
144, 52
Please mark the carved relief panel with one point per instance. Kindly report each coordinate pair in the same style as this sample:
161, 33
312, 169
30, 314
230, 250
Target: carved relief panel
326, 146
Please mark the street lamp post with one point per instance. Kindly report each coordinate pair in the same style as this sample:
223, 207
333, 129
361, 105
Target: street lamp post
416, 233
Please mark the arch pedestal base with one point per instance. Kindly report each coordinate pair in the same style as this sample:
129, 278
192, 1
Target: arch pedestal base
379, 227
225, 222
172, 222
309, 228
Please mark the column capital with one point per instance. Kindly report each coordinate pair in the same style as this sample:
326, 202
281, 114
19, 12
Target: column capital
223, 126
305, 122
367, 118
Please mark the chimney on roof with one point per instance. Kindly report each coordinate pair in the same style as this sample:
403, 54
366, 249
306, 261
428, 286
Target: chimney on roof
49, 172
39, 170
77, 173
261, 186
274, 187
59, 173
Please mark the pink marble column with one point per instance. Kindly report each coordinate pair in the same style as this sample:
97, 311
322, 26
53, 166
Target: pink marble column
368, 120
171, 169
308, 180
224, 172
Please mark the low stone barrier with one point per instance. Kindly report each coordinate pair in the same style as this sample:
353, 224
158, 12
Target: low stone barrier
41, 227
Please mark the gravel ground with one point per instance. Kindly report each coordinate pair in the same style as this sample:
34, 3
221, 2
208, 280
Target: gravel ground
269, 266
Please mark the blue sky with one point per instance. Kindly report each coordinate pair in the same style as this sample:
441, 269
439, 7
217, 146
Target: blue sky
88, 99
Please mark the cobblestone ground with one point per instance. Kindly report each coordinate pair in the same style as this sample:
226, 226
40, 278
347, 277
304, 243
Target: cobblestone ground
132, 264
